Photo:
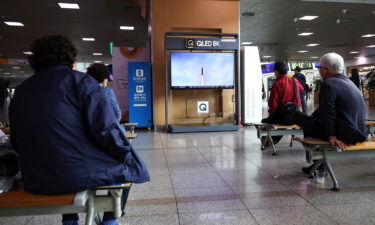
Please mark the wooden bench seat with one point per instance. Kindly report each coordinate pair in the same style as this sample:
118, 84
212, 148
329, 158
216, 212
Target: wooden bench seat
265, 131
19, 203
323, 152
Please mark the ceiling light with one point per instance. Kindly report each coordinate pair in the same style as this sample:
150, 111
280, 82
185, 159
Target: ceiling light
22, 71
353, 52
315, 57
97, 61
16, 67
368, 35
88, 39
305, 34
312, 45
17, 24
308, 17
28, 53
303, 51
246, 43
267, 56
97, 53
371, 46
68, 5
6, 73
126, 28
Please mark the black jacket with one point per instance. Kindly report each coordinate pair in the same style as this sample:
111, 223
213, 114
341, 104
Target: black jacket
342, 110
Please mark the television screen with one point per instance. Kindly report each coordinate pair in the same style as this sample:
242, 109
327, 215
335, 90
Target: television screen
202, 70
268, 68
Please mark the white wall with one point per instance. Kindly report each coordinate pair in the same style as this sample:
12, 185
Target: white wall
251, 85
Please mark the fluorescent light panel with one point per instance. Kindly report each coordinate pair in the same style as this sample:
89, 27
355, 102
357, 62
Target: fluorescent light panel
267, 56
68, 5
247, 43
97, 53
308, 17
16, 24
88, 39
305, 34
312, 45
368, 35
126, 28
28, 53
303, 51
97, 61
315, 57
371, 46
353, 52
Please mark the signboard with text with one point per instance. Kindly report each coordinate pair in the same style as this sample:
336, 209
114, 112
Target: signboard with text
140, 93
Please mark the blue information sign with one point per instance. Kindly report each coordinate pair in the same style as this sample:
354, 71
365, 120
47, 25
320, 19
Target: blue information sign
140, 93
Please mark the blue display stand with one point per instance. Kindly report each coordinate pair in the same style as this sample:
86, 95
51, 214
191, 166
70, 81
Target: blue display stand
140, 93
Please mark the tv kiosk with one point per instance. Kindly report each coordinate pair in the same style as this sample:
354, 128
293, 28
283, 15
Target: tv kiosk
199, 127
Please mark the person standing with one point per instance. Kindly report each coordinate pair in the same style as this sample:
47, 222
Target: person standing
302, 80
355, 77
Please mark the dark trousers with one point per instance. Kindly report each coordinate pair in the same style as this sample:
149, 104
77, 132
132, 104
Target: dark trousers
106, 215
310, 125
303, 101
273, 119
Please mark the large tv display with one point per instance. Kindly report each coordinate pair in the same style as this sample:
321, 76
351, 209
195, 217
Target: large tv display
202, 70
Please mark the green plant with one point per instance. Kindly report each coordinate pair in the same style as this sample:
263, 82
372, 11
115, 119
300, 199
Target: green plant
317, 84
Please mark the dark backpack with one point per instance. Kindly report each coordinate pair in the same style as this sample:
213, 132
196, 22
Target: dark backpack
288, 110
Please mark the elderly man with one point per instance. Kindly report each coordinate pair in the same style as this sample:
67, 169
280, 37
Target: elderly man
65, 131
340, 118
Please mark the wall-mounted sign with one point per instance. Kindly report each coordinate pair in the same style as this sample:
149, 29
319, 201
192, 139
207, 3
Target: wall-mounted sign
302, 65
203, 107
366, 68
204, 43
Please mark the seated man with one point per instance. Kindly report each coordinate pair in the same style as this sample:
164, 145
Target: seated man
283, 91
65, 131
100, 73
341, 116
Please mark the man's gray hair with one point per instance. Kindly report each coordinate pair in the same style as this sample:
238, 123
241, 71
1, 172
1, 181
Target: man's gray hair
333, 61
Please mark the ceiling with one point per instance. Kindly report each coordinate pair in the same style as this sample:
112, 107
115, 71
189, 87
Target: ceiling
273, 28
98, 19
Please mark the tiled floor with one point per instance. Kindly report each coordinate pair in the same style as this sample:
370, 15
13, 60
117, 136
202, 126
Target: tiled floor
224, 178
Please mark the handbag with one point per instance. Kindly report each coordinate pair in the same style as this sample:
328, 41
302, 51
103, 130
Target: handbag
288, 110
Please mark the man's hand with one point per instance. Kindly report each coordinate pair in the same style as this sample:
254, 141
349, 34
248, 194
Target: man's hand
334, 141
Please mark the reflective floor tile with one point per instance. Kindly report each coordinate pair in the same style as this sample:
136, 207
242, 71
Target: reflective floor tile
249, 188
203, 180
148, 210
191, 168
306, 215
275, 202
147, 220
210, 206
241, 217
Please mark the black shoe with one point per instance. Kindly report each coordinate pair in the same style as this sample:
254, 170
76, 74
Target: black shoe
306, 170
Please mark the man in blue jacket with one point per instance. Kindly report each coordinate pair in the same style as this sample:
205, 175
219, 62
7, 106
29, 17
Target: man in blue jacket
341, 116
65, 131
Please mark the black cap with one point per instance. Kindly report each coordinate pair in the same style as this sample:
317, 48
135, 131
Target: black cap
281, 67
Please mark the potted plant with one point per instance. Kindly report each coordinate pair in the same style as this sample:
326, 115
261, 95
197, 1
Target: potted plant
317, 84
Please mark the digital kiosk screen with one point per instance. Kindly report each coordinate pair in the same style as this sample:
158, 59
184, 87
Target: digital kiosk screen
202, 70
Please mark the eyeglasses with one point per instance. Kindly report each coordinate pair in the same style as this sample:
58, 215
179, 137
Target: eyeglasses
322, 67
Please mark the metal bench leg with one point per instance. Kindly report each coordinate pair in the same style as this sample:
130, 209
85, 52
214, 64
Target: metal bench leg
116, 194
271, 141
90, 210
263, 141
315, 167
331, 173
291, 141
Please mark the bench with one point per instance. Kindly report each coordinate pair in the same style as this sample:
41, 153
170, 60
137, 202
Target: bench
131, 136
20, 203
131, 126
266, 131
323, 152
